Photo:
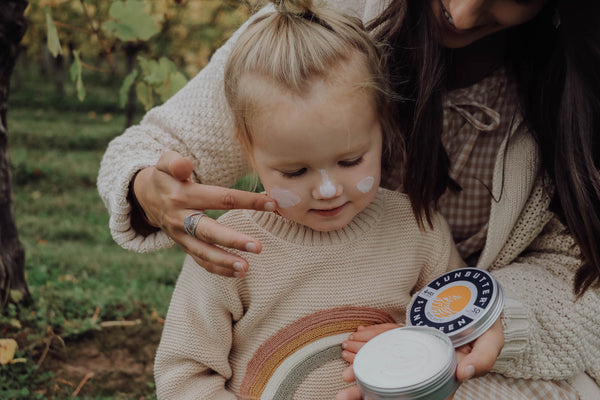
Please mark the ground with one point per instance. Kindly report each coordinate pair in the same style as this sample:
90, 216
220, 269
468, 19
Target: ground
113, 360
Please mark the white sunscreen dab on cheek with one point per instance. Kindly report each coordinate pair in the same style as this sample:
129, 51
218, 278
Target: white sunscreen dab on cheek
327, 189
365, 185
284, 198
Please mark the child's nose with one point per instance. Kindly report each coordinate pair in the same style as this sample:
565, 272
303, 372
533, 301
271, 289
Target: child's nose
327, 189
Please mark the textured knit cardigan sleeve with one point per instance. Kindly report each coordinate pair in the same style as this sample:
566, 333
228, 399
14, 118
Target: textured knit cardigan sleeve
549, 332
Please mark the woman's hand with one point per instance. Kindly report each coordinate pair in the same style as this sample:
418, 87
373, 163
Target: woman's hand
357, 340
478, 357
349, 349
474, 359
167, 195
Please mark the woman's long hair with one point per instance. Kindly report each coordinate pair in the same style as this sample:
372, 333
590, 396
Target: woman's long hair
555, 59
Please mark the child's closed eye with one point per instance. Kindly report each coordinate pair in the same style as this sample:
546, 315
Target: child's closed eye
293, 174
350, 163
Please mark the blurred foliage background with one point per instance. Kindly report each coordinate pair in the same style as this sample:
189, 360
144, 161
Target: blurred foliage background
88, 69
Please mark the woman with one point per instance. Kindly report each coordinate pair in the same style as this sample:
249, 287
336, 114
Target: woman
499, 104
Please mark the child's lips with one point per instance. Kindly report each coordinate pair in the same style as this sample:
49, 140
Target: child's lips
330, 212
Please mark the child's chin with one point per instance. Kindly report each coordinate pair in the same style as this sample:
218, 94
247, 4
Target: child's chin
329, 226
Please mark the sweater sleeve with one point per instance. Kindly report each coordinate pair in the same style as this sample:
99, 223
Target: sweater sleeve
192, 360
549, 333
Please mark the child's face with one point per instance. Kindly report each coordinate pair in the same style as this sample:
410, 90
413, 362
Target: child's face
319, 156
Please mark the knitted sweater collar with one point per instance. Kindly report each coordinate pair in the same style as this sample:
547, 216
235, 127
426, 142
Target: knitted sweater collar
293, 232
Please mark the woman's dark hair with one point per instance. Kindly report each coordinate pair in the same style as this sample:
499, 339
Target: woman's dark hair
555, 59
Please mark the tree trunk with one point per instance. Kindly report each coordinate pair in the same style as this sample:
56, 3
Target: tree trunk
12, 254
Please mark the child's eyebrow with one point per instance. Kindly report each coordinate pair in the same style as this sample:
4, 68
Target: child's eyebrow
358, 148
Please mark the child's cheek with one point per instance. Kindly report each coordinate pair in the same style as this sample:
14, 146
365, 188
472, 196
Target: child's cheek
366, 184
284, 198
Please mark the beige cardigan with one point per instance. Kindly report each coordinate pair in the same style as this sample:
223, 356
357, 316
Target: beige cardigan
548, 333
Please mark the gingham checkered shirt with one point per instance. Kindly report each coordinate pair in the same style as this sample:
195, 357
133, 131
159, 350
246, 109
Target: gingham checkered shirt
476, 120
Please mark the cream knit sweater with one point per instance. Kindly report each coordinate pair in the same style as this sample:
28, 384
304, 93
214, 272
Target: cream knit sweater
278, 331
548, 333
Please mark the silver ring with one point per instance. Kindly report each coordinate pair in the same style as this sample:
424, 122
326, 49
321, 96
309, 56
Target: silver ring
191, 222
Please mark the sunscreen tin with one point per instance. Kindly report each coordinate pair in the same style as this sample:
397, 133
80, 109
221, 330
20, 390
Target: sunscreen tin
463, 303
418, 362
412, 362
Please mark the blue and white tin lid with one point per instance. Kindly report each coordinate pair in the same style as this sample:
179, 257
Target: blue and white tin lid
463, 303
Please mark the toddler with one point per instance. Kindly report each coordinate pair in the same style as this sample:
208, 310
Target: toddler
308, 101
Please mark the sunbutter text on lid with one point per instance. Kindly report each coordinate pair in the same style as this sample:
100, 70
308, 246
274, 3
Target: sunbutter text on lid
401, 358
462, 303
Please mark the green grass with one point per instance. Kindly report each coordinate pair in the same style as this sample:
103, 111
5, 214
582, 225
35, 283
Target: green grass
77, 275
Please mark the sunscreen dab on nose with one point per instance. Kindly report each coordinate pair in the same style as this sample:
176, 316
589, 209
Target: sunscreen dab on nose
284, 198
327, 188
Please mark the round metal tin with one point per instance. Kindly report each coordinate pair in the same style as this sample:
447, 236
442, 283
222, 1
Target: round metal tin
463, 303
394, 355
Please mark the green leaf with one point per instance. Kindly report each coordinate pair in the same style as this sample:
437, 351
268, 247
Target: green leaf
75, 71
124, 90
52, 40
160, 76
146, 65
130, 21
144, 95
156, 72
175, 82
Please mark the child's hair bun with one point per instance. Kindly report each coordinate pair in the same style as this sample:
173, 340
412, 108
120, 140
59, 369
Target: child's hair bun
297, 7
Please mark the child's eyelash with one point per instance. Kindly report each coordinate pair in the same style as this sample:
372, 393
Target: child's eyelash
343, 164
350, 163
293, 174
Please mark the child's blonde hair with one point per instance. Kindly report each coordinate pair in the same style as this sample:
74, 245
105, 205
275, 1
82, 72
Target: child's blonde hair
298, 42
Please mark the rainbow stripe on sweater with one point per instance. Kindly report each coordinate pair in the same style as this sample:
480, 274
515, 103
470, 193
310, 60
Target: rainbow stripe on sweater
283, 361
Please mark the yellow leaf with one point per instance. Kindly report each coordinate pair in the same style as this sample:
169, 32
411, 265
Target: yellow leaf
52, 41
7, 350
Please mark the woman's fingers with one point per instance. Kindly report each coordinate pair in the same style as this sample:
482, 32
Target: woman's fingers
174, 164
167, 196
348, 374
366, 333
478, 358
211, 257
362, 335
205, 197
210, 231
217, 269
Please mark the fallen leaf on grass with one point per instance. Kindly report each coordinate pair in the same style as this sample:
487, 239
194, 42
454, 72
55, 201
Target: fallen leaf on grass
112, 324
7, 350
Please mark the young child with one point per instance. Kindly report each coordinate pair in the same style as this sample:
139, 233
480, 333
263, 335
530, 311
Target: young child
309, 108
